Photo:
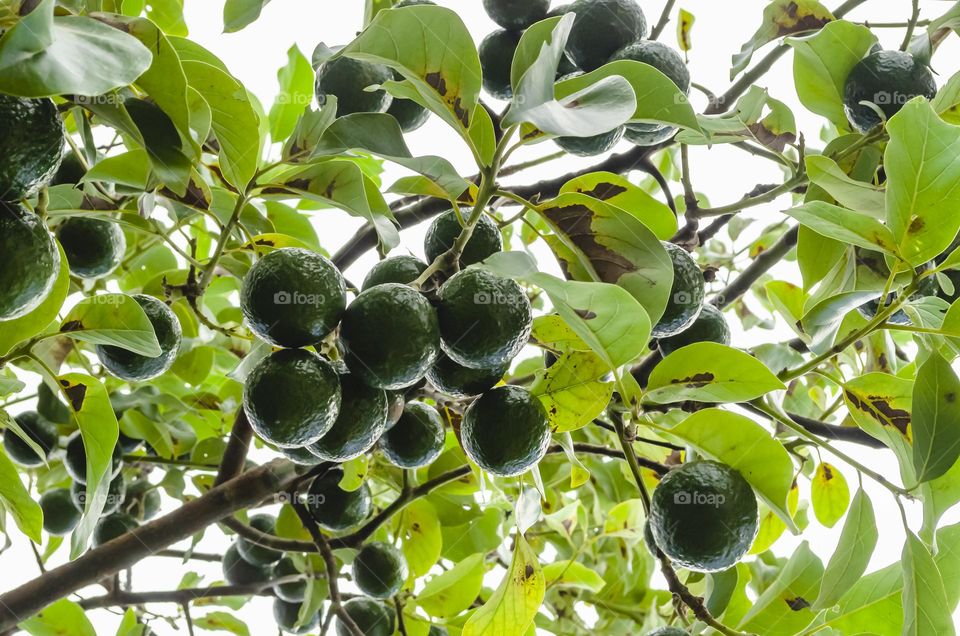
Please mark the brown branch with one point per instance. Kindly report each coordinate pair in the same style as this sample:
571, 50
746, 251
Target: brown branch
235, 454
828, 431
760, 265
180, 597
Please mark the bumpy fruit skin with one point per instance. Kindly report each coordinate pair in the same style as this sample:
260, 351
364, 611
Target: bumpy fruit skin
75, 459
416, 439
668, 631
93, 247
460, 381
346, 79
301, 456
142, 501
286, 614
335, 509
42, 432
256, 554
703, 516
134, 367
292, 398
115, 495
485, 319
294, 591
70, 172
396, 269
505, 431
667, 61
516, 14
379, 570
372, 617
237, 571
710, 326
31, 138
686, 295
293, 297
648, 539
60, 516
602, 28
888, 79
111, 527
361, 422
391, 336
29, 261
443, 232
496, 59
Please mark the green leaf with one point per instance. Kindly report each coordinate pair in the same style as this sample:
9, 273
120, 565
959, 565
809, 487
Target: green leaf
780, 18
858, 540
829, 494
296, 91
43, 56
420, 538
822, 322
572, 574
822, 62
222, 622
936, 418
13, 332
847, 226
512, 608
453, 591
783, 609
856, 195
237, 14
129, 626
925, 609
17, 500
616, 190
112, 319
131, 169
710, 372
571, 390
168, 14
923, 182
748, 448
64, 617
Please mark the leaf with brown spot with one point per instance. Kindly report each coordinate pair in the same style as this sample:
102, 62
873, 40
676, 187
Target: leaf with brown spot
510, 610
781, 18
618, 191
881, 405
936, 418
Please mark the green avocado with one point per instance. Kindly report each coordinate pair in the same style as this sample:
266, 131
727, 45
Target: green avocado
416, 439
347, 80
887, 79
70, 172
408, 113
648, 540
603, 27
293, 591
42, 432
710, 326
301, 456
293, 297
288, 614
391, 336
143, 500
516, 15
127, 444
703, 516
372, 617
668, 631
505, 431
115, 495
589, 146
485, 320
29, 261
237, 571
361, 422
335, 509
257, 554
396, 269
396, 400
134, 367
31, 138
379, 570
460, 381
927, 287
686, 295
292, 398
443, 233
666, 60
75, 459
496, 59
112, 527
60, 516
94, 247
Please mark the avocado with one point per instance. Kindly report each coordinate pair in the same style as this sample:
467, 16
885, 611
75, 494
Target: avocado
134, 367
703, 515
142, 501
390, 335
416, 439
71, 170
38, 429
887, 79
60, 516
496, 59
237, 571
93, 247
589, 146
445, 229
396, 269
293, 591
686, 295
29, 261
372, 617
257, 554
293, 297
112, 527
460, 381
31, 137
75, 459
115, 495
379, 570
710, 326
666, 60
408, 113
601, 28
287, 614
347, 80
292, 398
516, 15
361, 422
335, 509
301, 456
485, 319
505, 431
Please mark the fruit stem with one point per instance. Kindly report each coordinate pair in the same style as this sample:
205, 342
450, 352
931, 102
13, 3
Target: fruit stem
663, 21
222, 243
911, 26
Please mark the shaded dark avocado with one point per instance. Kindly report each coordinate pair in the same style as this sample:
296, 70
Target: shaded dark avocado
372, 617
390, 335
293, 297
287, 614
928, 287
112, 527
703, 515
301, 456
603, 27
115, 495
75, 459
257, 554
60, 516
335, 509
379, 570
669, 62
142, 501
395, 269
93, 247
460, 381
134, 367
42, 432
887, 79
416, 439
70, 172
443, 232
347, 79
592, 145
293, 591
31, 140
686, 295
505, 431
516, 14
496, 59
292, 398
485, 319
361, 422
237, 571
29, 261
710, 326
127, 444
408, 113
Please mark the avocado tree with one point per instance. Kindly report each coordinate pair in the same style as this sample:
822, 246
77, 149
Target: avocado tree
586, 405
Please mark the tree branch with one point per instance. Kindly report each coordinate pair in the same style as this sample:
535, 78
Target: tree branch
235, 454
760, 265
